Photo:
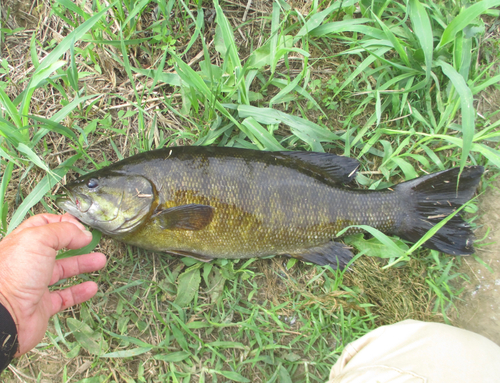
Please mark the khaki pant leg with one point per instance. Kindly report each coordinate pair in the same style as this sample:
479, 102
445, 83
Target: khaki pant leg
417, 352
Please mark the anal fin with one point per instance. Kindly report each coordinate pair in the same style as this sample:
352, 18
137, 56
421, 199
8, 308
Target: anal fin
335, 254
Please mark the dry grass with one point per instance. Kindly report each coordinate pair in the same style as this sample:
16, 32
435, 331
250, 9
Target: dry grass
289, 303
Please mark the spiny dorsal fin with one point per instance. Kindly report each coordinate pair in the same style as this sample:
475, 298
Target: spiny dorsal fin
185, 217
341, 169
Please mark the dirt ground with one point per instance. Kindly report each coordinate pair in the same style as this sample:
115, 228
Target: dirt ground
480, 310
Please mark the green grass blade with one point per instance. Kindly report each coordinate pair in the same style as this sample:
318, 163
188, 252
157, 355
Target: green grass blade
50, 62
7, 174
227, 35
266, 139
467, 108
361, 68
423, 30
466, 16
11, 133
10, 108
273, 42
307, 131
394, 40
39, 192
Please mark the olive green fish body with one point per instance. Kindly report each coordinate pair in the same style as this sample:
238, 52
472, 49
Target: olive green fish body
235, 203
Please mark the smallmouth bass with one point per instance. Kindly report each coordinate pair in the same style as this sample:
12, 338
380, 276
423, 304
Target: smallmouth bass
211, 202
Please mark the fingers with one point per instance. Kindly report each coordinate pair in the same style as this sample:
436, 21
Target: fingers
46, 218
56, 236
69, 267
62, 299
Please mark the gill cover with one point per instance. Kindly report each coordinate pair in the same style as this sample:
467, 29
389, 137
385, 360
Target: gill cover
113, 203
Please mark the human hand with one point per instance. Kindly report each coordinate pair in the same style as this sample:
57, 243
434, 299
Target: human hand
28, 266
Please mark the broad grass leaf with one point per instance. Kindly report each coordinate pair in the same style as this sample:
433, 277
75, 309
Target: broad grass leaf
219, 44
491, 154
94, 379
264, 139
10, 108
179, 336
129, 339
55, 127
138, 7
406, 167
234, 376
177, 356
259, 57
11, 133
50, 61
466, 16
172, 79
362, 67
90, 340
188, 285
394, 40
286, 90
463, 55
372, 247
311, 133
72, 71
392, 247
273, 42
283, 375
215, 284
74, 8
227, 35
482, 86
467, 108
127, 353
227, 344
75, 35
315, 20
33, 157
351, 25
38, 192
193, 79
422, 26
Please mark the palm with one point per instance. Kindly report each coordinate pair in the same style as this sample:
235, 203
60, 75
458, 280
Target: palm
27, 259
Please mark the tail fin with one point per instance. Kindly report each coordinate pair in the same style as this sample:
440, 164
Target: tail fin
431, 199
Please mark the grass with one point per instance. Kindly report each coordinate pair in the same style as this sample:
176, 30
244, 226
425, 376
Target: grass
397, 85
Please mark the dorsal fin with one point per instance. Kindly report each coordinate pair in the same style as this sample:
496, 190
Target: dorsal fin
340, 169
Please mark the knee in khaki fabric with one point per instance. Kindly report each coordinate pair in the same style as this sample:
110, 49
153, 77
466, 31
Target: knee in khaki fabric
418, 352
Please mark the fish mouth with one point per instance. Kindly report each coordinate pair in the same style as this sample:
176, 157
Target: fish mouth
74, 204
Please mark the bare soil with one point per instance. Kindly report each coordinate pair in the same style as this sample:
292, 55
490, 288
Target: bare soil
480, 309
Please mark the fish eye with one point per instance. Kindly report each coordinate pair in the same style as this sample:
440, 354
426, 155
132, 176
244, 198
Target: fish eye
92, 183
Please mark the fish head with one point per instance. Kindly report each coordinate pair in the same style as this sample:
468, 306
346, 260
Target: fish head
112, 203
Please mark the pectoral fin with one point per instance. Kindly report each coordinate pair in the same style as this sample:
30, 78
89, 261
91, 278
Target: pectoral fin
185, 217
335, 254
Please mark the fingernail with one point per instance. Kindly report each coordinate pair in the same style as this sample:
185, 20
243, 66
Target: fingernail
87, 233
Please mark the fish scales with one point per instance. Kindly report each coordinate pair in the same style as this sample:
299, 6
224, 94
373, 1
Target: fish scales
235, 203
261, 208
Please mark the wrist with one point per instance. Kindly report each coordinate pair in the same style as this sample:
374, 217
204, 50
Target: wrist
9, 345
5, 303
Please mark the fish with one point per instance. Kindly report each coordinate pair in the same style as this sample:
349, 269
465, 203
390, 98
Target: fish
215, 202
